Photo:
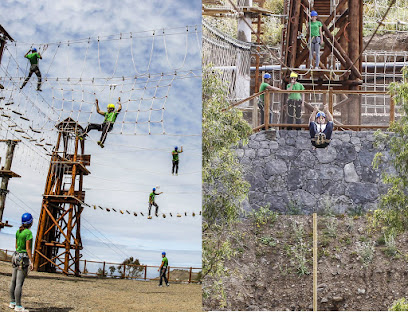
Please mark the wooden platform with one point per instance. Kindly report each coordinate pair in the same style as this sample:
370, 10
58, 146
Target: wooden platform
9, 173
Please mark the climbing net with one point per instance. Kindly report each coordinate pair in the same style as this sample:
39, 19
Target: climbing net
396, 20
144, 70
230, 56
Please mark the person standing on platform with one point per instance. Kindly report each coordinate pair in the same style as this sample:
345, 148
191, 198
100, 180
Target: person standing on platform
316, 39
261, 103
295, 100
163, 270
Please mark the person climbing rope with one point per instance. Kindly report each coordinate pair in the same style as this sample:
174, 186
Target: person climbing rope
163, 269
107, 125
175, 155
265, 86
316, 38
295, 100
153, 203
321, 127
21, 260
33, 57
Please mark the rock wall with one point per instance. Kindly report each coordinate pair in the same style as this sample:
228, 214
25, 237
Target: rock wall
287, 174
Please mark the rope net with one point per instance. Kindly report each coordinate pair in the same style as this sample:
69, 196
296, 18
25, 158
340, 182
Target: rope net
141, 69
230, 57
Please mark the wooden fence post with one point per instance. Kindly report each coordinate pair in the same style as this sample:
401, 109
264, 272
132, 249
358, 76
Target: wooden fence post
145, 272
189, 279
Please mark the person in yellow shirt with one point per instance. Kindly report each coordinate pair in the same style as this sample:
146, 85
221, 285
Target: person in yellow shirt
107, 125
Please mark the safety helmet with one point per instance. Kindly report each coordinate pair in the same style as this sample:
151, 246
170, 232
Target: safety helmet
176, 148
111, 105
154, 189
293, 75
34, 50
313, 13
320, 114
27, 218
267, 76
163, 253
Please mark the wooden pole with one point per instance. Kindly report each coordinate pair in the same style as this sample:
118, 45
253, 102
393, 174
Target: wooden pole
4, 181
314, 262
331, 100
392, 109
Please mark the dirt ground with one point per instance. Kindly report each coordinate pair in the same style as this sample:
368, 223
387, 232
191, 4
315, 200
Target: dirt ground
58, 293
265, 274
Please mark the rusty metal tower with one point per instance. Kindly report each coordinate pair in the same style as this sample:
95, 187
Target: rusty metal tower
58, 244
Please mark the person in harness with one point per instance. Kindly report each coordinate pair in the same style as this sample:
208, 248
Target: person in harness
153, 203
295, 100
163, 269
316, 38
321, 127
175, 155
261, 103
107, 125
21, 260
33, 57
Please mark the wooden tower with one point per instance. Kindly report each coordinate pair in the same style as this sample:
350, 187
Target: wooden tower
58, 243
340, 66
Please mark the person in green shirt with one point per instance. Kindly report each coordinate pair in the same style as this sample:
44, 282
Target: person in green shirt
265, 86
107, 125
152, 196
316, 38
163, 269
21, 260
33, 57
175, 155
295, 100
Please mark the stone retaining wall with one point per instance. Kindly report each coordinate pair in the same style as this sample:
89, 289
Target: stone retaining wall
290, 176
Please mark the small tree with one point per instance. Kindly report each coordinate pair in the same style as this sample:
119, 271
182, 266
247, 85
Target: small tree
101, 273
224, 187
132, 268
112, 270
393, 215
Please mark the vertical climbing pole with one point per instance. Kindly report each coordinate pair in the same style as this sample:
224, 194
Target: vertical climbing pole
58, 243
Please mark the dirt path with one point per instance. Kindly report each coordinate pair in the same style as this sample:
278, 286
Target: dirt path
55, 292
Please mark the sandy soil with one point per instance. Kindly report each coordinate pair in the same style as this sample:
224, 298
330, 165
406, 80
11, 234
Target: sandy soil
55, 292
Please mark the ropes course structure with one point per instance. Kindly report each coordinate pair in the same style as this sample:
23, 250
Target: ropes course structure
230, 57
144, 90
143, 71
345, 63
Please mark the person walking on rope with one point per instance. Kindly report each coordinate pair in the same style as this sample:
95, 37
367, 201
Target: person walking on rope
261, 104
316, 38
163, 270
321, 127
21, 260
153, 203
295, 100
33, 57
107, 125
175, 155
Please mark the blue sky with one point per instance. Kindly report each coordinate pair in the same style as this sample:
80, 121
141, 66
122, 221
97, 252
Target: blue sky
124, 172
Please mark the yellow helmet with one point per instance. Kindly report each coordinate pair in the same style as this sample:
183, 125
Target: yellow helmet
111, 105
293, 75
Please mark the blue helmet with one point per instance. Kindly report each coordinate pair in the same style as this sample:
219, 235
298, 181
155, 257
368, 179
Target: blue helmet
320, 114
154, 189
313, 13
27, 218
163, 253
34, 50
176, 148
267, 76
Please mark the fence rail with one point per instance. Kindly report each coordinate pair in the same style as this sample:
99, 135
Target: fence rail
127, 271
341, 103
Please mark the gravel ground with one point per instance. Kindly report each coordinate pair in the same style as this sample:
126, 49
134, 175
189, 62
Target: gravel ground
56, 292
